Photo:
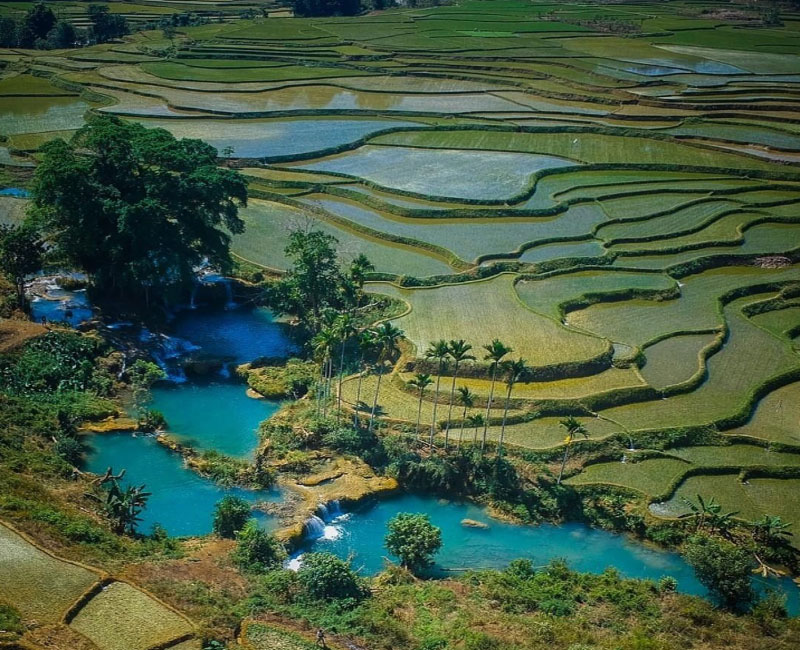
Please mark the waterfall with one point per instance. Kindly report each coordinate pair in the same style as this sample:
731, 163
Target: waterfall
230, 303
314, 527
192, 298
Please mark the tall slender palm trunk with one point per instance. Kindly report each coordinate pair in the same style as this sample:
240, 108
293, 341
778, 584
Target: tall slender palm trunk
435, 403
375, 401
339, 392
419, 416
463, 422
563, 464
489, 406
450, 407
358, 391
503, 426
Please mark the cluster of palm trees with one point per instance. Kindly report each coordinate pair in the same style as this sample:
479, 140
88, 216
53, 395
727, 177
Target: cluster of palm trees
381, 344
337, 330
459, 351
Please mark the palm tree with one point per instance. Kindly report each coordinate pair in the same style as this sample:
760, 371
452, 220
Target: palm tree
771, 530
420, 381
514, 372
440, 351
708, 512
344, 329
323, 343
387, 336
359, 268
495, 352
366, 342
467, 399
574, 428
476, 421
459, 351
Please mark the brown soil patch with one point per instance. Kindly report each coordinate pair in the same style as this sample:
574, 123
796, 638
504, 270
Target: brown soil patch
14, 333
58, 637
206, 561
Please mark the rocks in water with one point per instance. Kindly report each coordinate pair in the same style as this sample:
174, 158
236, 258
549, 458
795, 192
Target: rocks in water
471, 523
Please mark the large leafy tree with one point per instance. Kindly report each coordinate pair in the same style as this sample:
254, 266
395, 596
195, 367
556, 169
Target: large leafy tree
135, 208
21, 254
414, 539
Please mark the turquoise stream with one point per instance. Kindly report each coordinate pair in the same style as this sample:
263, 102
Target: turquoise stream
356, 535
181, 500
216, 414
213, 415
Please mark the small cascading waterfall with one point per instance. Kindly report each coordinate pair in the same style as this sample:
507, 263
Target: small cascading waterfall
193, 297
230, 303
314, 527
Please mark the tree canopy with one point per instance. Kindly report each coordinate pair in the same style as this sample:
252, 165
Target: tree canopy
135, 208
316, 284
414, 539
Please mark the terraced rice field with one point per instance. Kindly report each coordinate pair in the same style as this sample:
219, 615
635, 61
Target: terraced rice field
642, 194
112, 615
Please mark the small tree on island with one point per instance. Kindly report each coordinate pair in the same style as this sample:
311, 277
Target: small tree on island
723, 567
414, 539
230, 516
135, 208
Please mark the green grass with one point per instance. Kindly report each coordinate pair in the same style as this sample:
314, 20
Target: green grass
269, 225
579, 147
147, 622
675, 359
28, 85
260, 636
234, 74
547, 296
760, 496
776, 417
481, 311
40, 586
650, 477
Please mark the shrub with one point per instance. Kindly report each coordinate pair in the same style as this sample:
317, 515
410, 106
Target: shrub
70, 449
10, 620
256, 549
230, 516
723, 568
414, 539
323, 575
667, 585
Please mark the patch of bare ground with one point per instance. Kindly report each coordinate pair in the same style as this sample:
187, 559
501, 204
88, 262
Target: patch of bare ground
14, 333
773, 262
58, 637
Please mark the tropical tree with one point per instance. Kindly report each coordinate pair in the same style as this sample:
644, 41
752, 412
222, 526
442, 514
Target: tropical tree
467, 399
123, 505
476, 420
723, 567
459, 352
414, 539
514, 370
344, 329
366, 343
359, 268
135, 208
231, 513
771, 530
707, 512
420, 382
256, 549
438, 350
387, 336
495, 351
574, 429
21, 252
323, 344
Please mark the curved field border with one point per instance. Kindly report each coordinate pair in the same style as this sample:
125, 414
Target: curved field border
103, 580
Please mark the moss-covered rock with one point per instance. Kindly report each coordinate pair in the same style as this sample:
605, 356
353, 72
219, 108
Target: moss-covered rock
280, 380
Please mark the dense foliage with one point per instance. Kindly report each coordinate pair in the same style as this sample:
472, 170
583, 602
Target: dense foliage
230, 516
414, 539
323, 575
135, 208
21, 253
41, 29
256, 549
723, 567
